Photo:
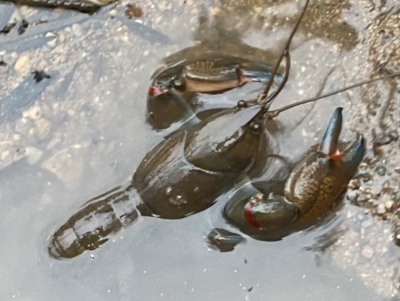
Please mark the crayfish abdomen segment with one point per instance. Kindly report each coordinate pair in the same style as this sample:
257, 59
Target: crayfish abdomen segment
93, 225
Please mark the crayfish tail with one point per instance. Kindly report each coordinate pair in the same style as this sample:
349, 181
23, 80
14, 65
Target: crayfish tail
95, 223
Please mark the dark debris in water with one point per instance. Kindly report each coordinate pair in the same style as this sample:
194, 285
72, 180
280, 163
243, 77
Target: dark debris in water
6, 29
223, 240
133, 11
23, 26
34, 36
40, 22
2, 63
10, 26
323, 242
24, 95
38, 76
385, 138
81, 6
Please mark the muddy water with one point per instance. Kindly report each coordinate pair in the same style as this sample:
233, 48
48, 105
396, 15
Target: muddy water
86, 133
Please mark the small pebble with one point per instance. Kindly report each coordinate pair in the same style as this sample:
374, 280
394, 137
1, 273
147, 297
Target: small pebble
363, 165
386, 185
389, 205
381, 170
4, 154
34, 155
381, 209
353, 196
367, 252
394, 135
34, 112
354, 184
367, 179
21, 64
52, 43
367, 196
42, 128
77, 30
396, 237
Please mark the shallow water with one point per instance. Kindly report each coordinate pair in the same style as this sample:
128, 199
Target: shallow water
86, 133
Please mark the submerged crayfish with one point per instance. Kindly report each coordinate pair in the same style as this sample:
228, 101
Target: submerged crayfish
191, 168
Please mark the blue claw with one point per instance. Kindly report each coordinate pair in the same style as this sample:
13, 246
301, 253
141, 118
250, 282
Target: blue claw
352, 157
330, 140
258, 71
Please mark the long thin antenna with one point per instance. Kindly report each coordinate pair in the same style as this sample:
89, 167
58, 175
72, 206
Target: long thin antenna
282, 85
285, 53
275, 113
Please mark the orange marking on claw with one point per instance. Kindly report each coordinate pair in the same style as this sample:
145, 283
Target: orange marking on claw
154, 90
336, 156
248, 216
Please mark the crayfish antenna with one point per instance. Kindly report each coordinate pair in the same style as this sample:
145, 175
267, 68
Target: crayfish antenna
275, 113
263, 97
282, 85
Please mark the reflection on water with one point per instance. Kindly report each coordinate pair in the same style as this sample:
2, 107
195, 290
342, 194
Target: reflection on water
86, 133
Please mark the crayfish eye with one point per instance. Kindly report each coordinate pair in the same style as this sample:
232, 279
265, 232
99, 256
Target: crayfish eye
256, 127
242, 104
